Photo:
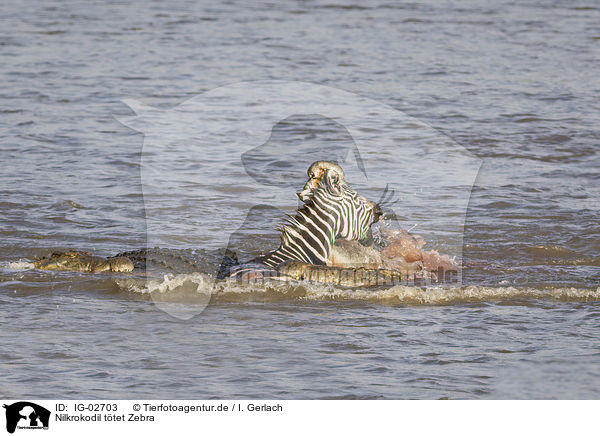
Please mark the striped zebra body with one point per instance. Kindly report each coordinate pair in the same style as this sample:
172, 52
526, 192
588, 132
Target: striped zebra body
331, 210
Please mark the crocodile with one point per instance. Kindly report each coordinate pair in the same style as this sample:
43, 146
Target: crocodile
82, 261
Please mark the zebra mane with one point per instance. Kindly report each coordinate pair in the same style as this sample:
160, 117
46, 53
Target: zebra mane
291, 225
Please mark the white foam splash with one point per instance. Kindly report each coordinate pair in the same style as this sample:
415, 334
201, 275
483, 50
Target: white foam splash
176, 286
20, 264
168, 283
453, 295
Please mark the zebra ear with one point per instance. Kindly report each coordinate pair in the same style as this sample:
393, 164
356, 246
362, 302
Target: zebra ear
335, 182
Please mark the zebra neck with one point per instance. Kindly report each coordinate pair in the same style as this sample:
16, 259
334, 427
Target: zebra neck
308, 237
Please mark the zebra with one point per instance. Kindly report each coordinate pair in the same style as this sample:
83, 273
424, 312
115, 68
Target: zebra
331, 210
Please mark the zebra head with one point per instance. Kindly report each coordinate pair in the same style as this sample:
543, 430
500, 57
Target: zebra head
351, 214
